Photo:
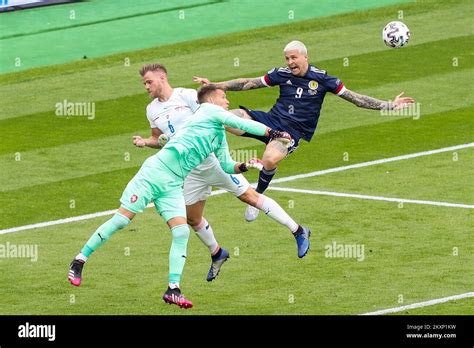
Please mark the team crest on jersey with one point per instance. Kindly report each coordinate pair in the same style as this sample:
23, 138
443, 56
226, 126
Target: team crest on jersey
313, 85
134, 198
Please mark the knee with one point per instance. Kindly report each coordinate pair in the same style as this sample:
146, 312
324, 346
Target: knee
119, 220
245, 197
241, 113
250, 196
193, 220
245, 114
271, 158
270, 162
180, 232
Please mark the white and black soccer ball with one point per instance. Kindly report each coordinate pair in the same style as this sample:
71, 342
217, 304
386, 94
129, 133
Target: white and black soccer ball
396, 34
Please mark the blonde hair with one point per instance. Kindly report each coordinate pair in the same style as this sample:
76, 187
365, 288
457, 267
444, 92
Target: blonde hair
296, 45
152, 67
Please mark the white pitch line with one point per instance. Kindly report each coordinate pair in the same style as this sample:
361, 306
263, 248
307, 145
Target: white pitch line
371, 163
421, 304
76, 218
58, 222
288, 178
375, 198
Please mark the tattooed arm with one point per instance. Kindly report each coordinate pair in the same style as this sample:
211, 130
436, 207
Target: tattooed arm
367, 102
242, 84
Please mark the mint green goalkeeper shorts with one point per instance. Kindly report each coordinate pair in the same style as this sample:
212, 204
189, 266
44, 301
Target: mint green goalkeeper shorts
155, 183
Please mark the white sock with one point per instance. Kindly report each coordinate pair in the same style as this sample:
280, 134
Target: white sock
275, 212
81, 257
173, 285
206, 235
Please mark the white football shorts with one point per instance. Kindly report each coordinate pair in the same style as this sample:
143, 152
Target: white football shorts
198, 184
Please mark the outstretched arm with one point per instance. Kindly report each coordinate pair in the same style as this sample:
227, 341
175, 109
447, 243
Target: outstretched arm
241, 84
225, 160
153, 141
230, 166
250, 126
230, 120
367, 102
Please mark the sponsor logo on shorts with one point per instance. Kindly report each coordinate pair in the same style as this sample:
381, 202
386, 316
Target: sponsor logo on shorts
134, 198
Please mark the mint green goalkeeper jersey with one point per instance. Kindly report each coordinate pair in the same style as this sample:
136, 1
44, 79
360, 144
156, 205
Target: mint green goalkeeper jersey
205, 134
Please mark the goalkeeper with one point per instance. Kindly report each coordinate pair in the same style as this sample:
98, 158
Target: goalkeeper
161, 177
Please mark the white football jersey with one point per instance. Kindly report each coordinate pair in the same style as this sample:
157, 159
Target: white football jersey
170, 116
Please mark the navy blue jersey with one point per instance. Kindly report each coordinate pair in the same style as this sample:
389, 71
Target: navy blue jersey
301, 98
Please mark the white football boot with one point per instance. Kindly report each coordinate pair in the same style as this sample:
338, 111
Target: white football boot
251, 213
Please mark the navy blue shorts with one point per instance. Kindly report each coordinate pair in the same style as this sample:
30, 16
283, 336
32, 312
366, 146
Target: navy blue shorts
273, 122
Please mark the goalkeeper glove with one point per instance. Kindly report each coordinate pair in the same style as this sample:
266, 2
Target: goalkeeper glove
254, 163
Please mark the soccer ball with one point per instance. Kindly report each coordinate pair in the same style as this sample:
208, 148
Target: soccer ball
396, 34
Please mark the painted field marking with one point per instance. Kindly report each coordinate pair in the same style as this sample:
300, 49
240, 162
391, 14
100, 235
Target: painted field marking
288, 178
421, 304
372, 163
375, 198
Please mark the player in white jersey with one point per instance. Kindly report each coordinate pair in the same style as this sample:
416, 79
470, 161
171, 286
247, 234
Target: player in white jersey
169, 117
169, 111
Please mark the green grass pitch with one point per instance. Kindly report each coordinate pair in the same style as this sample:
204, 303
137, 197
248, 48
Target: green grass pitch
56, 167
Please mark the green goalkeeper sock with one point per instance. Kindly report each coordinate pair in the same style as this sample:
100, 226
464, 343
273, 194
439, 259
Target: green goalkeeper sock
104, 232
178, 252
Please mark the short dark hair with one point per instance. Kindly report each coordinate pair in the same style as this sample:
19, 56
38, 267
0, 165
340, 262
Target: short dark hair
206, 90
152, 67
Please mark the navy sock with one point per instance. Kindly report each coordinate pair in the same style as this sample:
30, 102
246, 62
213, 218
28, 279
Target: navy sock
216, 255
298, 231
264, 179
262, 138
